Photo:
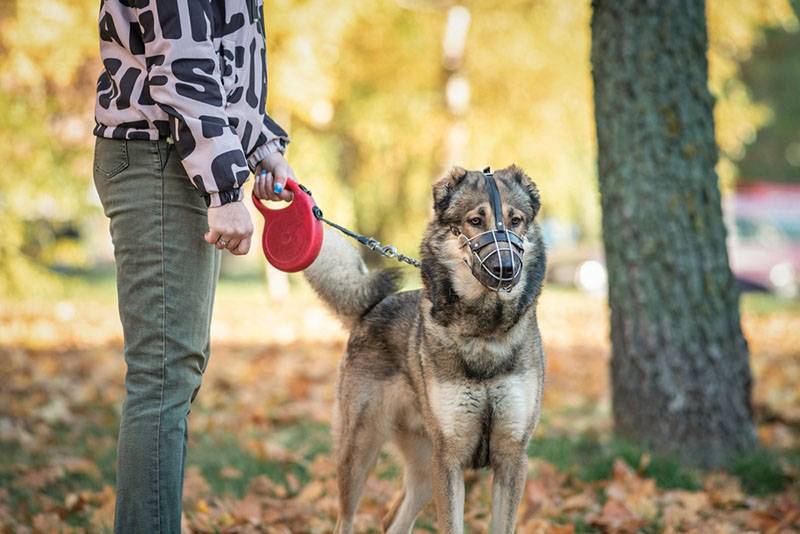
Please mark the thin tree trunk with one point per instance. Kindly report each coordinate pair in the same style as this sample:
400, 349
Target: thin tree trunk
679, 369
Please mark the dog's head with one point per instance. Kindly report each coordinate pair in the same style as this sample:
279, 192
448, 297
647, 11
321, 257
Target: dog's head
463, 210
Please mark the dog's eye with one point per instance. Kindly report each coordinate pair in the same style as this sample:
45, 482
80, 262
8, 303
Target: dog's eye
516, 221
474, 221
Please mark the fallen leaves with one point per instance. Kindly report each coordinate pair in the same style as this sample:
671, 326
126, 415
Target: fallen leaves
635, 493
616, 517
271, 397
724, 491
683, 510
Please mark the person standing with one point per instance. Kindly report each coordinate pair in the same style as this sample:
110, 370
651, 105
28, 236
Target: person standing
180, 125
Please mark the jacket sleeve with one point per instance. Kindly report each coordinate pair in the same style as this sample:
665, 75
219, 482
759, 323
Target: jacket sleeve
273, 138
185, 81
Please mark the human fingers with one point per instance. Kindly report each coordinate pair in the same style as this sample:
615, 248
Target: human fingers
212, 236
240, 237
260, 187
222, 242
229, 224
242, 248
233, 244
282, 173
269, 186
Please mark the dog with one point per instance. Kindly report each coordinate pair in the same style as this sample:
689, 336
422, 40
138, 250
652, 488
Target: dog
452, 373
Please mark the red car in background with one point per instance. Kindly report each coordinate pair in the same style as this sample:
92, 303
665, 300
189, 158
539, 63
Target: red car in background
763, 221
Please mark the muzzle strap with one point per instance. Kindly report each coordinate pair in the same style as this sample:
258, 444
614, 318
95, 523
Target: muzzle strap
494, 198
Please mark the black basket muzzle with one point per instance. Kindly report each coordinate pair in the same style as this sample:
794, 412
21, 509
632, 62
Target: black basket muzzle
498, 252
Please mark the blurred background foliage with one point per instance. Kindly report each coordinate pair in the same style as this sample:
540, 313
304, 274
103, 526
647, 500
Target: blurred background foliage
362, 86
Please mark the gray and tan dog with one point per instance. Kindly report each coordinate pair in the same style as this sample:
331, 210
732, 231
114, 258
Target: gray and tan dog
451, 373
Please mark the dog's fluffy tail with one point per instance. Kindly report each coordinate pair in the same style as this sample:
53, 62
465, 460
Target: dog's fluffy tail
341, 279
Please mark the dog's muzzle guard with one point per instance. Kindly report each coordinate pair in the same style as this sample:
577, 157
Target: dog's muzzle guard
487, 244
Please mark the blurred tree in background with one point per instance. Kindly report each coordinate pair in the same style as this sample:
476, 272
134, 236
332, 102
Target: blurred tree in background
48, 55
735, 29
361, 85
772, 74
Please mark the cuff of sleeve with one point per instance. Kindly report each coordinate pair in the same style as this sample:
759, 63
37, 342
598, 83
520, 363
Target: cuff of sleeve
220, 198
275, 145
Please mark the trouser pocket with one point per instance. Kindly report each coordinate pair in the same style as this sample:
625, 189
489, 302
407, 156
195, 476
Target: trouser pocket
110, 157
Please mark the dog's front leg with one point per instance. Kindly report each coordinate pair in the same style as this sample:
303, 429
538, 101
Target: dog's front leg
448, 493
510, 473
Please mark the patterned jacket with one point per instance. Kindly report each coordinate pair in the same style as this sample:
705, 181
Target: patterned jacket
192, 72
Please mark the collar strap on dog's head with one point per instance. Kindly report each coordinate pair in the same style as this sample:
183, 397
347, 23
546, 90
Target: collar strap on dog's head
494, 198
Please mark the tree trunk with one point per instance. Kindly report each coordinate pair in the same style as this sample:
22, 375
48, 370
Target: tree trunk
679, 369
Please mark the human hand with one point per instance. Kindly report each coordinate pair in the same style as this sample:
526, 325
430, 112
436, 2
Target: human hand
271, 175
230, 227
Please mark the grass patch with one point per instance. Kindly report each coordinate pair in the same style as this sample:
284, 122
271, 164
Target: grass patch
766, 303
213, 454
310, 436
760, 472
592, 459
425, 524
388, 468
582, 527
29, 501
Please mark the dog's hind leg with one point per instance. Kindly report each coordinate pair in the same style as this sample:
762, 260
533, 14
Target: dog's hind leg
507, 488
360, 437
417, 491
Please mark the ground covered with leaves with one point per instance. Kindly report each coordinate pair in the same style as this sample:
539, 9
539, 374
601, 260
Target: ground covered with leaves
259, 453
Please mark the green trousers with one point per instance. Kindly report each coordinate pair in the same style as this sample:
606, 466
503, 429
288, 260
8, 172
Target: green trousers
166, 278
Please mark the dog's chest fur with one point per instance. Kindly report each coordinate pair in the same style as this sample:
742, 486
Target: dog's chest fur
476, 417
481, 393
479, 358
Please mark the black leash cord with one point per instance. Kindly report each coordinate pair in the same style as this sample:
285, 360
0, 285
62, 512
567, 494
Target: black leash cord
388, 251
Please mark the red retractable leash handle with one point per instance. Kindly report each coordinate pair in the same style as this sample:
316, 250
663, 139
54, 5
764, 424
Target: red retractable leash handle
292, 235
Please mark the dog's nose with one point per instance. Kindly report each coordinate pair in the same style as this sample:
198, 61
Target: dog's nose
504, 270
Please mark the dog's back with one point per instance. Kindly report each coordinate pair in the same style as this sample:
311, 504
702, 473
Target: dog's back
379, 342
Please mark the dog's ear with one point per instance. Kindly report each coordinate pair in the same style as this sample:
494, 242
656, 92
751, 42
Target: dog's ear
519, 176
443, 188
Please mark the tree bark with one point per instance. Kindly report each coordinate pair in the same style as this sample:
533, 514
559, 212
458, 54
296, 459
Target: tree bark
679, 369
